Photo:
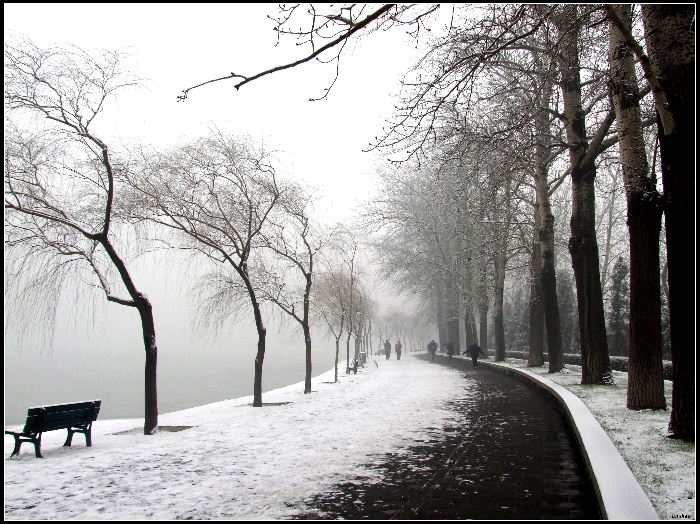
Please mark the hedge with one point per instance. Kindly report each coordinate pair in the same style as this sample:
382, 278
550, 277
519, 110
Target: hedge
616, 363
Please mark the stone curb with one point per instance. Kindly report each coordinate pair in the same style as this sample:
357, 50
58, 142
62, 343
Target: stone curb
620, 496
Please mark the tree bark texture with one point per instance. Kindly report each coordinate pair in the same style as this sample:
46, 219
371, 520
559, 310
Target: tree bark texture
337, 354
545, 222
472, 327
535, 355
259, 359
150, 425
143, 306
645, 387
583, 245
483, 327
468, 337
498, 307
307, 333
453, 333
307, 346
670, 37
347, 352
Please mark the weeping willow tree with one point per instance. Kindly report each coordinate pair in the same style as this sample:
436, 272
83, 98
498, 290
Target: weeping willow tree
63, 188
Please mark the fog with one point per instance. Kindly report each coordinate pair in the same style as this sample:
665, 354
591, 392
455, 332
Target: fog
97, 353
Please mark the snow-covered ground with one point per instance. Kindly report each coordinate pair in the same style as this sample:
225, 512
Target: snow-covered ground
240, 462
665, 468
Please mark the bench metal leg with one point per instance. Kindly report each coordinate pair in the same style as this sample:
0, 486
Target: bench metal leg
37, 446
87, 432
18, 444
34, 439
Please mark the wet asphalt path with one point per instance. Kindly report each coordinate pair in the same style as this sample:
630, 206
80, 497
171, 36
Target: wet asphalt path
511, 455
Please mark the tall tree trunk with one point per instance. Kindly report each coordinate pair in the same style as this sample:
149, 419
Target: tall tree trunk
484, 327
442, 334
442, 314
583, 244
337, 355
307, 333
468, 336
500, 267
368, 351
472, 327
536, 351
453, 333
259, 359
548, 275
143, 306
483, 304
670, 36
307, 345
645, 387
550, 300
150, 425
347, 353
262, 334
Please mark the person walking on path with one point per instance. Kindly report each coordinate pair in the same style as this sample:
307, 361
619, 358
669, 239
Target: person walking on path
432, 349
398, 347
387, 348
474, 351
450, 346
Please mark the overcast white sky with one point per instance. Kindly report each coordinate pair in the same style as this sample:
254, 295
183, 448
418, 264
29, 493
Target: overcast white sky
175, 46
172, 47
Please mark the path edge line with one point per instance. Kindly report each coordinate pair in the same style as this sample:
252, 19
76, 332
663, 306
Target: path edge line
619, 494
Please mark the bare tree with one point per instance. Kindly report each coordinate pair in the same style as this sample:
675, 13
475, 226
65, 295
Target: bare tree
298, 249
330, 297
583, 245
349, 261
216, 194
670, 68
645, 389
325, 30
61, 183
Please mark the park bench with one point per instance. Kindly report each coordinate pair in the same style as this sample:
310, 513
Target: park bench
76, 417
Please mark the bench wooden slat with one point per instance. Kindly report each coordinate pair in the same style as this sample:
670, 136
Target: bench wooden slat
76, 417
65, 407
61, 416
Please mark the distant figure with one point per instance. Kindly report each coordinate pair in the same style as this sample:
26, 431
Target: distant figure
450, 349
398, 347
432, 349
387, 348
474, 351
353, 366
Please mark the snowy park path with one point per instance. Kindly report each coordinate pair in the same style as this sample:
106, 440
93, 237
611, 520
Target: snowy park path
237, 462
511, 455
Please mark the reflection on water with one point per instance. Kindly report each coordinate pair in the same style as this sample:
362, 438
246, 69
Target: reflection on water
508, 455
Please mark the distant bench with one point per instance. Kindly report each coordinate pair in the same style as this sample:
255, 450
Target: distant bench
76, 417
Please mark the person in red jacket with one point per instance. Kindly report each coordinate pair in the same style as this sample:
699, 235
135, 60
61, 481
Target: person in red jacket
397, 348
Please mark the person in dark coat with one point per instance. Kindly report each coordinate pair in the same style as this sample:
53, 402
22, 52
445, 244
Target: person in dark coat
450, 346
474, 351
398, 347
432, 349
387, 349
